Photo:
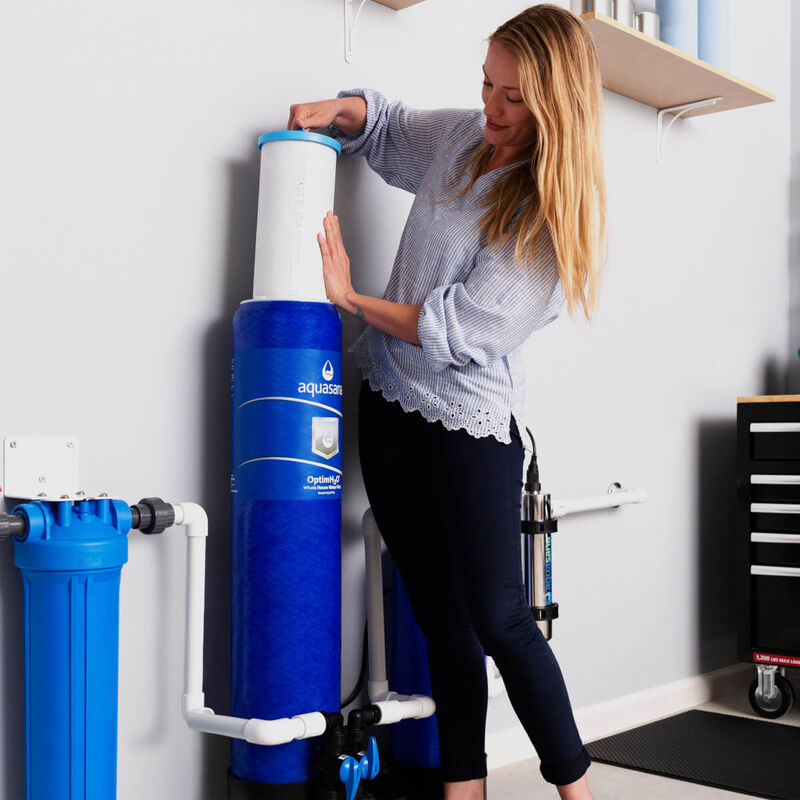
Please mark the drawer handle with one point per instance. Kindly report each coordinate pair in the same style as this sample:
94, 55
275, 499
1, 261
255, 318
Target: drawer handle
776, 480
775, 538
777, 572
775, 427
775, 508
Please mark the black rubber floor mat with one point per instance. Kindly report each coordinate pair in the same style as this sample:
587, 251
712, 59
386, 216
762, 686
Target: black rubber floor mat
734, 753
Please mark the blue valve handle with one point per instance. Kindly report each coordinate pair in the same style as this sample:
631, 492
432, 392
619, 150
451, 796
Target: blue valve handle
370, 762
350, 775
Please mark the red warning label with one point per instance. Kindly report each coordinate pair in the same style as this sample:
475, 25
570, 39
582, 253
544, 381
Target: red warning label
784, 661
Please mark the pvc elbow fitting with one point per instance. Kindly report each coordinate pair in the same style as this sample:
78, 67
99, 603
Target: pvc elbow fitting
193, 516
274, 731
281, 731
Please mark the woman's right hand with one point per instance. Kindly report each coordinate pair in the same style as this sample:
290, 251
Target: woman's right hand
349, 114
313, 115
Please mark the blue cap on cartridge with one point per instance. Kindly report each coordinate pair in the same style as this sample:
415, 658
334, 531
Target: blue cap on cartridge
303, 136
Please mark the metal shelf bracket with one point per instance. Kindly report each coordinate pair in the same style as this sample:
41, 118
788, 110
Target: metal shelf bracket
677, 111
350, 20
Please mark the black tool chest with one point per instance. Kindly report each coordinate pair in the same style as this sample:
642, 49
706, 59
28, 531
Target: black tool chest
768, 539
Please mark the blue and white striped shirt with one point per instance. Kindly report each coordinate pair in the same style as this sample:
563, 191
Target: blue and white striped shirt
478, 304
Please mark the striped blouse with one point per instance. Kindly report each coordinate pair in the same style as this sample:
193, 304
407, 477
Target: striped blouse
478, 305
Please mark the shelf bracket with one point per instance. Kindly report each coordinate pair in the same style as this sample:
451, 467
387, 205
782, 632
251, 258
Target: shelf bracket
677, 111
350, 20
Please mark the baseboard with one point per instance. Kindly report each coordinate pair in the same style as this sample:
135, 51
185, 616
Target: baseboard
629, 711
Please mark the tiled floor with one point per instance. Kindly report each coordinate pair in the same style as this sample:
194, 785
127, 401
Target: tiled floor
522, 781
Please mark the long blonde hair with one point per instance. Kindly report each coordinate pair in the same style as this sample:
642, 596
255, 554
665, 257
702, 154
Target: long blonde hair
562, 185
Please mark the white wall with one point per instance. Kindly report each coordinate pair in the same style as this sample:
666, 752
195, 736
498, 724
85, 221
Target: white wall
127, 225
794, 202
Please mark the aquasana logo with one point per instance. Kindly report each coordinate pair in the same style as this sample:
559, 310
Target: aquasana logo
321, 388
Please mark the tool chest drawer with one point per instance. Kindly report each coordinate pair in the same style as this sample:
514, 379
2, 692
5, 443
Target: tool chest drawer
775, 441
775, 602
768, 527
775, 554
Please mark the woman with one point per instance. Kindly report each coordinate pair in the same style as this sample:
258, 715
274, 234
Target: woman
508, 220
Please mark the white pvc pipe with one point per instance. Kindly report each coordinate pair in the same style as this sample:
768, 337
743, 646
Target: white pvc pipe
560, 508
194, 518
394, 707
378, 683
196, 714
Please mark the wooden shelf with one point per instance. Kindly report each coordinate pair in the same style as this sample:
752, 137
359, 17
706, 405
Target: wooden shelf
662, 76
398, 5
770, 398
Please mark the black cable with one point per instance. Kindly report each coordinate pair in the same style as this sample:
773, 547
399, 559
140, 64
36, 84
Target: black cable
532, 477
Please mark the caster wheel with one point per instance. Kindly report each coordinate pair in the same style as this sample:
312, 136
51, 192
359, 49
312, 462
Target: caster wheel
775, 706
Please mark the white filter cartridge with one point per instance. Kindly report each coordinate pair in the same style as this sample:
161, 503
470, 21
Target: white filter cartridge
298, 174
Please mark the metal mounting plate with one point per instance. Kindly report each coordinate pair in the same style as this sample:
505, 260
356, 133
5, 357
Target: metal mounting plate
40, 467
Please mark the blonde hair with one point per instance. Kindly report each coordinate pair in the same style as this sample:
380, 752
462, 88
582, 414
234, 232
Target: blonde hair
562, 185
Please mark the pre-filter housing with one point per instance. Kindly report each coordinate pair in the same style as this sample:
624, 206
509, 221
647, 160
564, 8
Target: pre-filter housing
71, 558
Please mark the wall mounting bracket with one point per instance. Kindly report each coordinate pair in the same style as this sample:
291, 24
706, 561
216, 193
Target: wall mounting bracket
677, 111
41, 467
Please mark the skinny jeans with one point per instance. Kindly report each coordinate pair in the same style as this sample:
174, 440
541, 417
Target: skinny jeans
448, 507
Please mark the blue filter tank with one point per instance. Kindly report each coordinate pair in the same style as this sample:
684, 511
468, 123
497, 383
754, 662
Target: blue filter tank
286, 479
71, 559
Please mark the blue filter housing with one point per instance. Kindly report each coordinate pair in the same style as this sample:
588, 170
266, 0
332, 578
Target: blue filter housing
286, 489
415, 742
71, 559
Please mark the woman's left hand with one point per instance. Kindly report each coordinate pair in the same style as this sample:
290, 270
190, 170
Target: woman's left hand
335, 262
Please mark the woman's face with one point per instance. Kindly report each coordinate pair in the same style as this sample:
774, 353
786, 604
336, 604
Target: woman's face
509, 123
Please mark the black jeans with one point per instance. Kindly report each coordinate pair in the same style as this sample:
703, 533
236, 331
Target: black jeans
448, 507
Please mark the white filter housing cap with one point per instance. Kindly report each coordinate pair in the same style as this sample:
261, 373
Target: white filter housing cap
296, 188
